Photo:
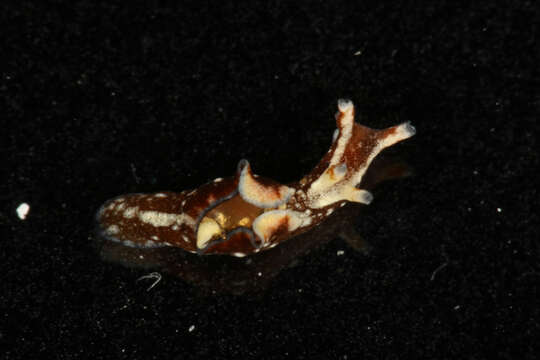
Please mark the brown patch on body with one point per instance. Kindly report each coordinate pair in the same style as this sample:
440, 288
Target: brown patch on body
208, 194
281, 230
238, 242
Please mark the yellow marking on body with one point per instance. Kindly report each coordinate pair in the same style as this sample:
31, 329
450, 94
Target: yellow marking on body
208, 229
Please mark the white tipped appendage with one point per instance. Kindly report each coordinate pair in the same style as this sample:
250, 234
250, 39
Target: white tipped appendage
401, 132
258, 194
345, 105
361, 196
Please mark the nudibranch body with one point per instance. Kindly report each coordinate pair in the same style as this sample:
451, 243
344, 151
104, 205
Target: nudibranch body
247, 213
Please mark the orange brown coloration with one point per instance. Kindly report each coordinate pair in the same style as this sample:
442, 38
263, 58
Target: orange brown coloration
246, 213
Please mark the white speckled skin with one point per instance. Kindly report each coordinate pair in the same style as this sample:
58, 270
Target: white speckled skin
247, 213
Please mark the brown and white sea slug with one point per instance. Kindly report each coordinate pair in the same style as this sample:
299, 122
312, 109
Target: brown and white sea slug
246, 213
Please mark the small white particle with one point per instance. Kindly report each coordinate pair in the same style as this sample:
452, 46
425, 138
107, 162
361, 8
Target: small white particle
186, 239
175, 227
259, 274
191, 328
218, 179
22, 210
340, 252
154, 237
154, 276
499, 210
457, 307
238, 254
160, 195
113, 229
149, 243
130, 212
359, 52
329, 211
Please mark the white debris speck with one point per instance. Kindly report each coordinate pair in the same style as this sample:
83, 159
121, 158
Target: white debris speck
130, 212
149, 243
154, 276
191, 328
22, 210
499, 210
113, 229
259, 273
359, 52
340, 252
